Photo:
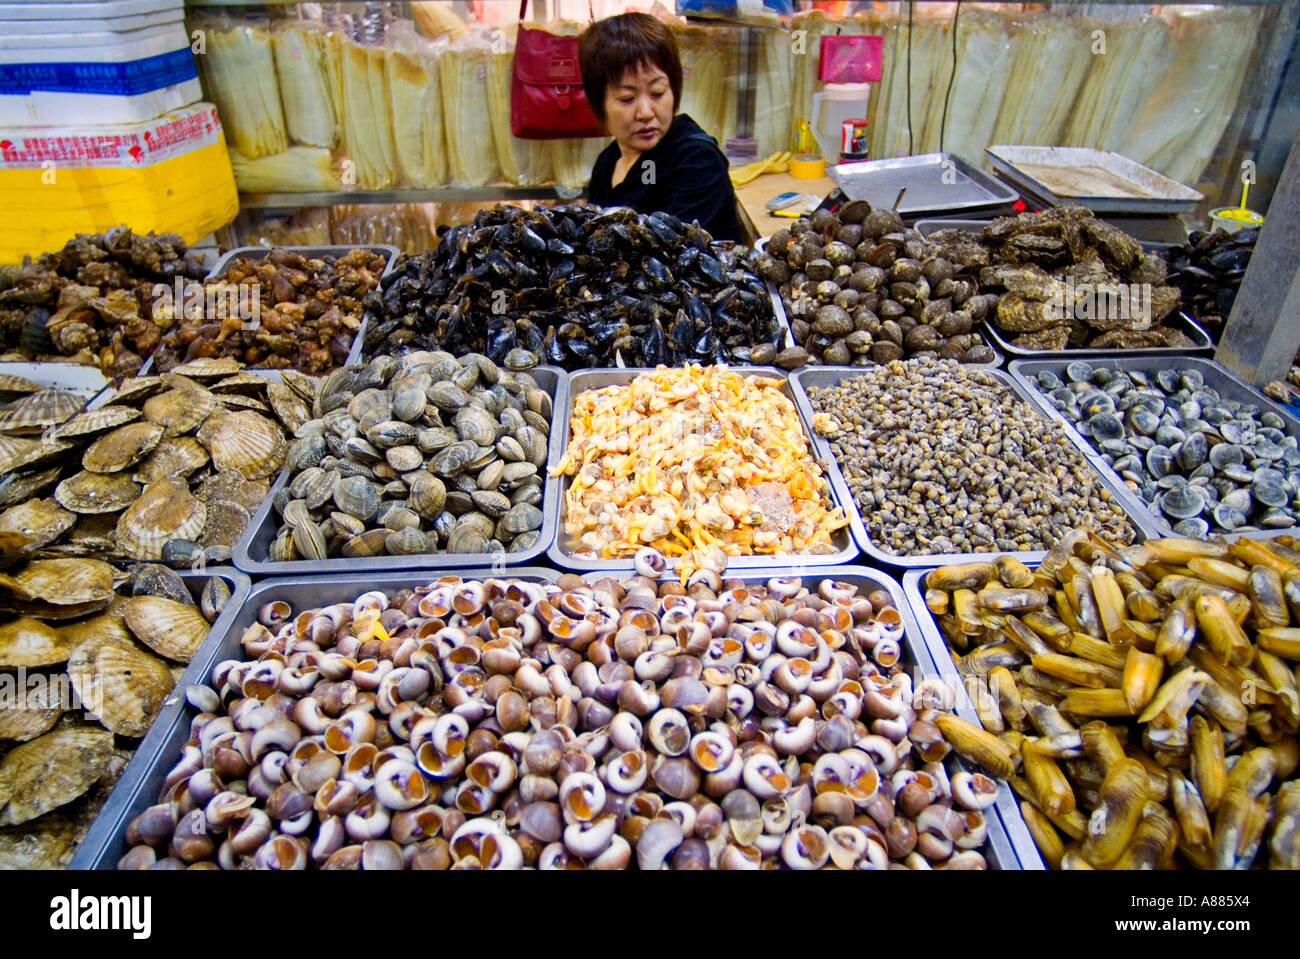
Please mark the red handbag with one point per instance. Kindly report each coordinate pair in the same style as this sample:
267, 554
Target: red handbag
547, 101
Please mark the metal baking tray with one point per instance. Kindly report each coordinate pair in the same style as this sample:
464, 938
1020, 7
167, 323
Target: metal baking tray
1002, 850
925, 177
818, 376
1101, 180
783, 318
252, 550
1008, 804
1216, 376
81, 378
559, 552
1180, 321
138, 788
111, 812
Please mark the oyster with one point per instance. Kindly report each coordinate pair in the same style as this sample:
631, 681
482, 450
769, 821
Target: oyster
97, 492
121, 687
165, 510
169, 628
123, 447
244, 441
41, 521
51, 771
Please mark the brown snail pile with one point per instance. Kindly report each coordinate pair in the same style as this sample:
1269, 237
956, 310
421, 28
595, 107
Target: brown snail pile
860, 288
507, 723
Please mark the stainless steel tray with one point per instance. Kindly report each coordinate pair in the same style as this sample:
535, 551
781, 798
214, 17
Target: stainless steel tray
138, 788
816, 376
1008, 805
81, 378
559, 552
1180, 321
1216, 376
1002, 851
1101, 180
252, 550
111, 813
935, 183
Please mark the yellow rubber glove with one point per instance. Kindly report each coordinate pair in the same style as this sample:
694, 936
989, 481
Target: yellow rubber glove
776, 163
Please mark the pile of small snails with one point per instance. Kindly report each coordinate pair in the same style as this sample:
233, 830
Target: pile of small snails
509, 723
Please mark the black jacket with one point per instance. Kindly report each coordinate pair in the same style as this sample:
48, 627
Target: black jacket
685, 174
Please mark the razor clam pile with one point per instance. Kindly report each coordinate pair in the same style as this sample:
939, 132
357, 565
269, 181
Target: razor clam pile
576, 286
170, 468
621, 723
1203, 462
93, 301
420, 454
1208, 269
1090, 271
945, 458
861, 288
87, 657
1147, 696
308, 311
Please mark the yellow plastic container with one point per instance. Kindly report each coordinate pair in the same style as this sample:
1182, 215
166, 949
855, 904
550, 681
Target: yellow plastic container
170, 175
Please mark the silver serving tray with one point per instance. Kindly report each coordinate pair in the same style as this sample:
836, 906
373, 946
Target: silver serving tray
1007, 805
560, 549
1216, 376
925, 177
90, 849
252, 550
1002, 850
1101, 180
820, 376
138, 788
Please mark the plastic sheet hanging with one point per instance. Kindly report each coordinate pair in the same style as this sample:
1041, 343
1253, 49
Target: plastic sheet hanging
466, 110
239, 75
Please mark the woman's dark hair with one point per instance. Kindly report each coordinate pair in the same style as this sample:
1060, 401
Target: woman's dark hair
609, 48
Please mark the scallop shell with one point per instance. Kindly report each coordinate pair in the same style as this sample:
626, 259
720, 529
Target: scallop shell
47, 843
135, 391
121, 687
96, 421
208, 368
39, 410
59, 588
169, 628
17, 452
97, 492
18, 384
307, 387
51, 771
34, 715
231, 485
245, 441
17, 487
125, 446
289, 407
94, 534
242, 382
42, 521
179, 411
30, 642
174, 458
165, 510
238, 401
226, 521
108, 628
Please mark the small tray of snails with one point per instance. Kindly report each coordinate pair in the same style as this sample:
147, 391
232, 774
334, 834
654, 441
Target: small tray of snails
345, 723
939, 462
89, 656
1146, 696
419, 459
637, 446
1203, 450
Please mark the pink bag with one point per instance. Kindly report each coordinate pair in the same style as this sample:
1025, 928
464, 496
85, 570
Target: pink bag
850, 59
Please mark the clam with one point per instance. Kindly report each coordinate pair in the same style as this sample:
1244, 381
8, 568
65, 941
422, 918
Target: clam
171, 629
153, 579
1182, 503
39, 521
120, 686
165, 510
88, 492
123, 447
51, 771
357, 496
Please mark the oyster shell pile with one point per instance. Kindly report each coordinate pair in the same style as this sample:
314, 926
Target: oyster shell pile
1202, 461
420, 454
1207, 269
170, 468
87, 656
861, 288
92, 302
309, 309
1067, 279
577, 287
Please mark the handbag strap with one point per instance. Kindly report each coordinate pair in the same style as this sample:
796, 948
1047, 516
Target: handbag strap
523, 8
